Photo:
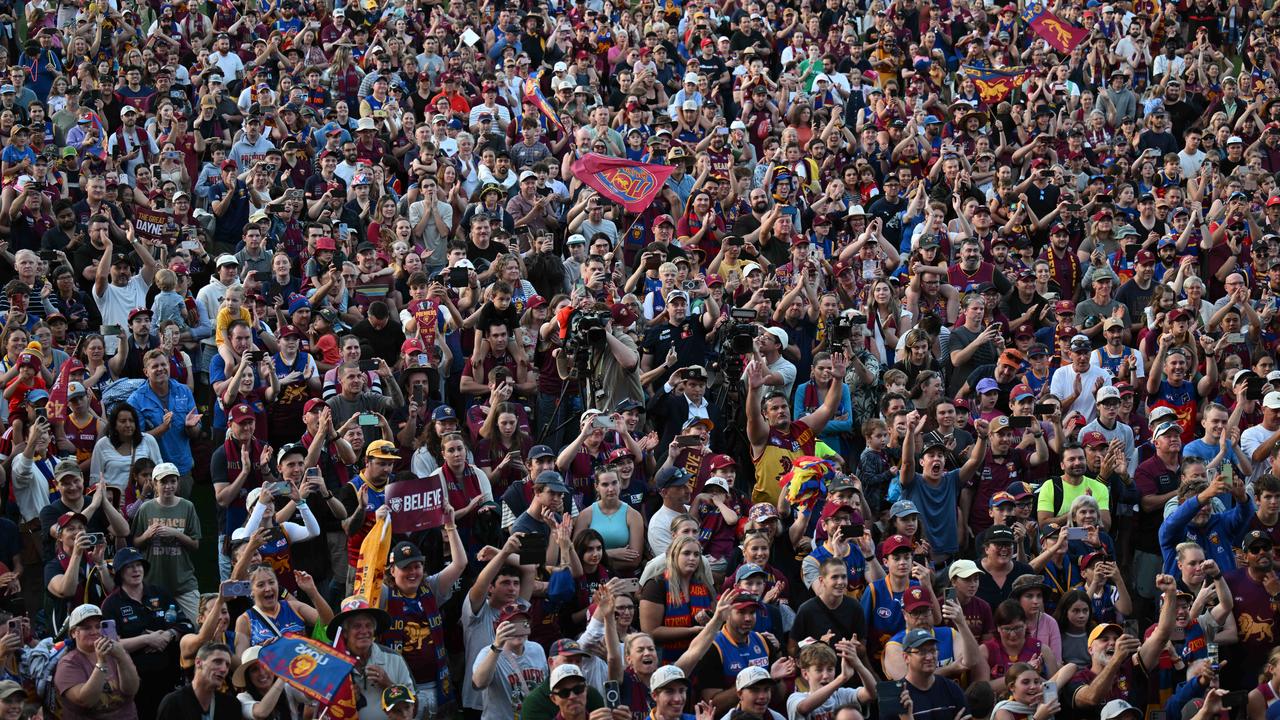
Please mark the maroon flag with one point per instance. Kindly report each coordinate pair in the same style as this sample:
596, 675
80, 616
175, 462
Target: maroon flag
1059, 33
415, 505
57, 406
633, 185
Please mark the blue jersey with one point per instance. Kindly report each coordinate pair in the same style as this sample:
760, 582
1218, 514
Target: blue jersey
883, 610
735, 658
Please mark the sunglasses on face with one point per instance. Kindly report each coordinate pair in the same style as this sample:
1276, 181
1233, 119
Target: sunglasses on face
564, 693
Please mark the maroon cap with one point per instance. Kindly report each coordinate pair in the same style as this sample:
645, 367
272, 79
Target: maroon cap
720, 461
621, 453
535, 301
1093, 438
1058, 228
1179, 314
326, 243
138, 311
663, 219
312, 404
622, 315
714, 279
290, 331
1144, 257
1063, 307
241, 413
894, 543
916, 598
229, 165
1024, 330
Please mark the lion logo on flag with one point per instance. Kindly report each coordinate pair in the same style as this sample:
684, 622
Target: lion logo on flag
302, 665
631, 183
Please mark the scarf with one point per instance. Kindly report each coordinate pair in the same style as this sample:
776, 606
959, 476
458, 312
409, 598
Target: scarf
237, 513
1014, 707
435, 659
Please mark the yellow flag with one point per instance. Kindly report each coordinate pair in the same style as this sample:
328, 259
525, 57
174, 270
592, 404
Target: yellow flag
372, 565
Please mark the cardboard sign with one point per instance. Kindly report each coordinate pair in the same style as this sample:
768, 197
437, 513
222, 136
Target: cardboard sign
155, 226
415, 505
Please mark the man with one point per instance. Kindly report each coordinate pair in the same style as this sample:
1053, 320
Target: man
926, 694
775, 439
1266, 496
237, 467
683, 398
1120, 360
167, 411
1107, 424
1255, 590
204, 697
672, 484
613, 367
1100, 302
101, 511
830, 615
932, 490
1004, 464
678, 331
209, 300
972, 344
127, 362
116, 290
737, 647
1118, 660
1258, 443
376, 668
780, 372
363, 496
1195, 520
1135, 294
1157, 480
1170, 382
1077, 384
353, 399
1053, 502
543, 512
497, 586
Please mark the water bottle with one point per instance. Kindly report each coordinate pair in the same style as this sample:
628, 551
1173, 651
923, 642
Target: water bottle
171, 615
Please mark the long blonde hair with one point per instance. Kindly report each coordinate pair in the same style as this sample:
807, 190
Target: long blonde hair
677, 584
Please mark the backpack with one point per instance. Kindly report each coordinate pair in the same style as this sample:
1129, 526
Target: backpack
39, 663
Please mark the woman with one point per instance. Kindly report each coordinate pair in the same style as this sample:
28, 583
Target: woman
675, 605
78, 571
263, 696
918, 356
269, 617
213, 623
1012, 644
927, 390
1029, 591
141, 618
95, 678
172, 168
115, 454
887, 319
1025, 688
641, 657
511, 271
619, 526
1267, 693
596, 571
1075, 620
15, 342
284, 534
502, 445
466, 486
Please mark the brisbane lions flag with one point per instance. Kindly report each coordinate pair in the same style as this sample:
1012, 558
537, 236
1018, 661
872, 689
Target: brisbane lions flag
632, 185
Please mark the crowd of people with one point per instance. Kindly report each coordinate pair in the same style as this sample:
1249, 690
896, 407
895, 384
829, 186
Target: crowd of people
937, 381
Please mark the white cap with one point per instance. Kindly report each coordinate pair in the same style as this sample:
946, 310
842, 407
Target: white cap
84, 612
855, 211
567, 670
561, 66
252, 498
1158, 412
689, 105
780, 334
737, 125
1234, 139
227, 259
719, 482
1272, 400
1273, 376
691, 77
821, 77
464, 263
1116, 708
568, 83
576, 239
165, 469
1107, 392
526, 174
963, 569
752, 675
748, 268
664, 676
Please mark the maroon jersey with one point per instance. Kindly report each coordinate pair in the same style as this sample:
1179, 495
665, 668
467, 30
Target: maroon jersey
1255, 614
994, 477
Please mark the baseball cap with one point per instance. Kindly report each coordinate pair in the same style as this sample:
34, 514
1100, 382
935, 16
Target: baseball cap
1164, 428
1116, 708
664, 676
915, 598
903, 508
567, 647
1101, 628
893, 544
747, 570
405, 554
986, 385
761, 512
1093, 438
752, 675
780, 334
671, 477
541, 451
723, 461
963, 569
1256, 537
1020, 391
1106, 393
83, 612
395, 695
551, 479
382, 449
241, 413
917, 637
1271, 400
1000, 498
564, 672
996, 534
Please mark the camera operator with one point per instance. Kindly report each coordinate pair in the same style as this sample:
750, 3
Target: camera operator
680, 332
607, 360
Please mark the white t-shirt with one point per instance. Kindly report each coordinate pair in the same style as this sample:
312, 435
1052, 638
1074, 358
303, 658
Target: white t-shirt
825, 711
115, 303
512, 681
1063, 385
1251, 440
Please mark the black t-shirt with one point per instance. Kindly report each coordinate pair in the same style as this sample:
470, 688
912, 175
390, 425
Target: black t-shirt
689, 339
181, 704
486, 254
814, 619
994, 594
136, 618
384, 343
49, 515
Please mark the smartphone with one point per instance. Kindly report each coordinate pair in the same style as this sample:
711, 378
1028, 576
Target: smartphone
612, 694
533, 549
1211, 649
369, 420
419, 394
855, 530
629, 586
109, 630
1076, 533
689, 441
1044, 409
294, 194
773, 294
234, 588
111, 330
96, 539
459, 277
1235, 338
652, 262
424, 359
42, 414
889, 696
280, 488
1021, 422
343, 231
190, 245
312, 473
369, 365
1050, 692
949, 594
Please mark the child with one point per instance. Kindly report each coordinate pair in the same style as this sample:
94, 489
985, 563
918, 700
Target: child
826, 689
895, 381
399, 703
988, 396
27, 379
232, 309
169, 305
875, 466
717, 512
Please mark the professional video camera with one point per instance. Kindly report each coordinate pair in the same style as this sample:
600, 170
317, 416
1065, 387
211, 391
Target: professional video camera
742, 333
586, 330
